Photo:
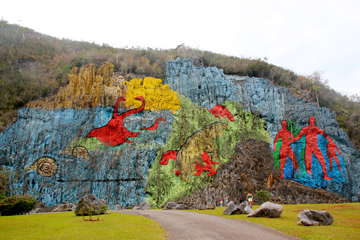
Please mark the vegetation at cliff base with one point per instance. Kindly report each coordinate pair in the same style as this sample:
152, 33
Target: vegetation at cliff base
34, 66
16, 205
263, 195
4, 183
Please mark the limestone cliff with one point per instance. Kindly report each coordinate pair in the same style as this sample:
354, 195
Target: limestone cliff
251, 169
88, 87
51, 156
126, 142
208, 87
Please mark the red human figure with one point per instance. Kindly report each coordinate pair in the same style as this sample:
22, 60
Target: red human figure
312, 147
331, 147
285, 136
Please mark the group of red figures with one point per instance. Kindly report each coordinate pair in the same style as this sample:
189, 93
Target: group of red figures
199, 167
114, 133
218, 111
311, 132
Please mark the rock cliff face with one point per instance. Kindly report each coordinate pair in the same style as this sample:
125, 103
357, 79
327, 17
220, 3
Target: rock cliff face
88, 87
251, 169
51, 157
209, 87
142, 139
115, 173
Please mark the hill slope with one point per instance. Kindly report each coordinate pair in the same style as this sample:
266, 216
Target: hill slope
34, 65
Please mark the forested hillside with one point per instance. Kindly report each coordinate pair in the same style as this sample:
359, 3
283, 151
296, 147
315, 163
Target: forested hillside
34, 65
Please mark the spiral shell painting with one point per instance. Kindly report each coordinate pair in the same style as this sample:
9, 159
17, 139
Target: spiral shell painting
45, 166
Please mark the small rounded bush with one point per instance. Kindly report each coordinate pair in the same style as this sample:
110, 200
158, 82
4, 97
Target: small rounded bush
16, 205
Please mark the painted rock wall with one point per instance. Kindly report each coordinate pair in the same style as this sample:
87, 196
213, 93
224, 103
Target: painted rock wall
194, 151
142, 139
247, 171
59, 149
117, 174
209, 87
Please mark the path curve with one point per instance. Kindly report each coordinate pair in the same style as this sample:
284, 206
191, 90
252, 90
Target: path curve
191, 225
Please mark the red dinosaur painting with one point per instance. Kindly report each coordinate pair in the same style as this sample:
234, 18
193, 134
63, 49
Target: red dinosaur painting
155, 126
200, 168
114, 133
222, 111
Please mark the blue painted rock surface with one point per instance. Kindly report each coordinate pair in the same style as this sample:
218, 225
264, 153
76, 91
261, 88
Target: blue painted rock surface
117, 174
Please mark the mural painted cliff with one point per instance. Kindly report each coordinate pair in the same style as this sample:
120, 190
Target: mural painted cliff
126, 141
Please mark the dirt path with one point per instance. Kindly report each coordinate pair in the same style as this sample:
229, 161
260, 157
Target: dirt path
182, 225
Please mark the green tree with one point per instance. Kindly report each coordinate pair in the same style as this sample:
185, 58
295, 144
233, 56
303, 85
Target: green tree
263, 195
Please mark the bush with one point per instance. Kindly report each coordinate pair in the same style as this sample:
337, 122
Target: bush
4, 183
16, 204
83, 210
263, 195
2, 195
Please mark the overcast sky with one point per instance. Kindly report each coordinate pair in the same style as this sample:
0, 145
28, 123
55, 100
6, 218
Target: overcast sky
304, 36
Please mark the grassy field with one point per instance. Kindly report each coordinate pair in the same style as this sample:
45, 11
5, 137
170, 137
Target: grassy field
346, 221
122, 226
68, 226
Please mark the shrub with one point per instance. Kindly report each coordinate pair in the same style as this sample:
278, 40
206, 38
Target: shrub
103, 208
263, 195
4, 183
2, 195
16, 204
83, 210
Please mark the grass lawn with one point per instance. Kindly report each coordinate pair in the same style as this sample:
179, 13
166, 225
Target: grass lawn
346, 221
68, 226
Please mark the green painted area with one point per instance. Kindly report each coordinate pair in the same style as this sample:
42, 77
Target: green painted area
152, 131
246, 125
291, 126
162, 185
92, 144
88, 143
130, 146
276, 153
301, 162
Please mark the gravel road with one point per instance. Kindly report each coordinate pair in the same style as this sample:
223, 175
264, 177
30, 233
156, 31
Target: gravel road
182, 225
